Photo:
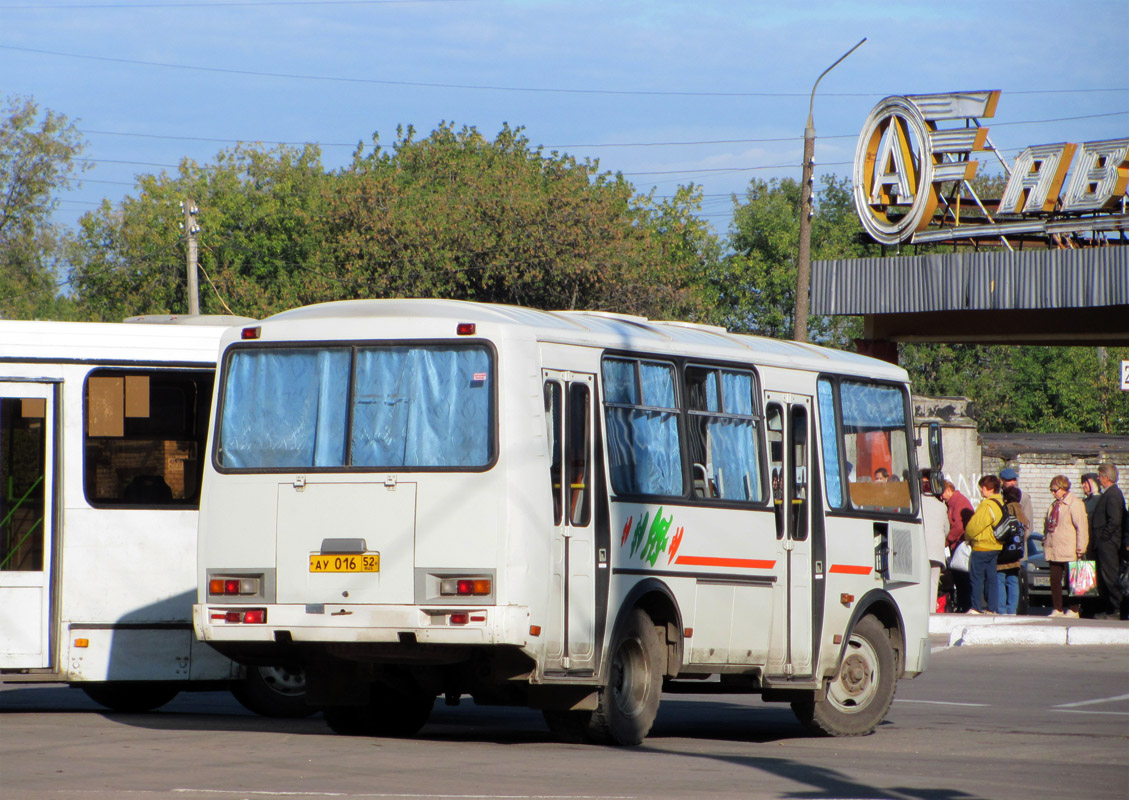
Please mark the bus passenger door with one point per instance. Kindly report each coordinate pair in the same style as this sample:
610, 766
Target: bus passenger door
788, 422
572, 602
27, 492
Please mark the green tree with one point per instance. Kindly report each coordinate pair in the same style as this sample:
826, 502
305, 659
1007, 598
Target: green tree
452, 215
38, 158
261, 218
755, 286
1027, 388
458, 215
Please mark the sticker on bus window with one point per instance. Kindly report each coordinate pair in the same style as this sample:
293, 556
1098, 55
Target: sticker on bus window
479, 377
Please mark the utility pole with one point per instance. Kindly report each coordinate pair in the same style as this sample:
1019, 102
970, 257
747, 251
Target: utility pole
803, 262
190, 230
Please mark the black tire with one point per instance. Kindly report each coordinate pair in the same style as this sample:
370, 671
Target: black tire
863, 687
277, 692
393, 712
131, 697
630, 702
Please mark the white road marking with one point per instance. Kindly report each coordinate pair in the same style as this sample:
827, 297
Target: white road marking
1094, 702
408, 796
939, 702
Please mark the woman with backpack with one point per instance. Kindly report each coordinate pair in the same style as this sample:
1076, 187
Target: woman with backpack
1066, 535
1008, 563
980, 533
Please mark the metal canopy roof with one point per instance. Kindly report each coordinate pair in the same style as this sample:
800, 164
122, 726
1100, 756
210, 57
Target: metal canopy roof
1031, 297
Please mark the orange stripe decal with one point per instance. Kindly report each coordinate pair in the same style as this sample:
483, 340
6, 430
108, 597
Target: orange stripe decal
710, 561
850, 569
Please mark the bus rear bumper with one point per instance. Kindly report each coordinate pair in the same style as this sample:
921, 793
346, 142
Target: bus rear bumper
464, 625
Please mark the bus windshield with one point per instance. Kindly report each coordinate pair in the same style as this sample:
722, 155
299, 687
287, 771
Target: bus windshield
365, 407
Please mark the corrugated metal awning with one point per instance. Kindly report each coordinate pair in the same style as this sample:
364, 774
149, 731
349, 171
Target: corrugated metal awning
1030, 280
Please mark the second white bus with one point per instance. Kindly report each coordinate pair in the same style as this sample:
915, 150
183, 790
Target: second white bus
569, 511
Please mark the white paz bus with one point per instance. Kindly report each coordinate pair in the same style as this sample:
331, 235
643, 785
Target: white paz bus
569, 511
102, 432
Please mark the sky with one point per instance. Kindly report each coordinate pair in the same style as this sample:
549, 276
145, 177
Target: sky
669, 93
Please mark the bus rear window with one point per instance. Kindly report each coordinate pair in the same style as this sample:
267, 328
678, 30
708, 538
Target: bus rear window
143, 435
370, 407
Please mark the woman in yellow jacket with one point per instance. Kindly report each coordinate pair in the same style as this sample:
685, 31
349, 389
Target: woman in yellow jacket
980, 533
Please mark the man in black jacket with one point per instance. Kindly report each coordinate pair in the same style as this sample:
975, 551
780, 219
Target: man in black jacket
1105, 533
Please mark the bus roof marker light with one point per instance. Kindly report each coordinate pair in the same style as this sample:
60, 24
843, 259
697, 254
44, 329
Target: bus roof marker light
253, 332
466, 328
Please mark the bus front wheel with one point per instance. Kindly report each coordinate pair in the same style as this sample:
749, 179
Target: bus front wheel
861, 692
630, 702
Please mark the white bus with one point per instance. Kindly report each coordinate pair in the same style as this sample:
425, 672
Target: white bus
569, 511
102, 429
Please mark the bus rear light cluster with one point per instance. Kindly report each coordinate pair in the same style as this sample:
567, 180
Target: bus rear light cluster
249, 616
462, 618
465, 587
233, 586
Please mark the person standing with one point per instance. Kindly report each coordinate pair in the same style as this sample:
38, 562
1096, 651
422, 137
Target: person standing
1091, 494
1105, 535
959, 512
980, 533
1066, 535
1009, 477
1007, 566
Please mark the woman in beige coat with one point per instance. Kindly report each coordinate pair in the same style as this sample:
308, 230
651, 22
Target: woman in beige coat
1066, 535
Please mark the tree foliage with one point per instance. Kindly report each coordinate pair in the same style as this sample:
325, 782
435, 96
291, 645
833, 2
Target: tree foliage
755, 286
1026, 388
451, 215
38, 158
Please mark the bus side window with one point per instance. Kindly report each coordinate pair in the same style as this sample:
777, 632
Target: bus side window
554, 436
774, 425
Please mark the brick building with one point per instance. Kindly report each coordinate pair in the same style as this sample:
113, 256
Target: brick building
1038, 457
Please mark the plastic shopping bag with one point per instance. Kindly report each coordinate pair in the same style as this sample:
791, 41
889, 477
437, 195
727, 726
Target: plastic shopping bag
1083, 578
960, 558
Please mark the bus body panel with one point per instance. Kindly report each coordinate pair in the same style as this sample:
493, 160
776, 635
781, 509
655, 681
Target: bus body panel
763, 583
119, 582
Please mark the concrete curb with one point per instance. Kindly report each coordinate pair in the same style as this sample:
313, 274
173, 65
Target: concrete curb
1007, 630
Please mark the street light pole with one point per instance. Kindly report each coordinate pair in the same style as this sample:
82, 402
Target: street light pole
803, 264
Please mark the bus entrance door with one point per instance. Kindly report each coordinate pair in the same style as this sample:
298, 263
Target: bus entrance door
27, 493
568, 420
788, 420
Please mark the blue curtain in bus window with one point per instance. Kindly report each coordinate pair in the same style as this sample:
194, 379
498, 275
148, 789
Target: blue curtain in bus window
733, 454
421, 407
619, 382
832, 475
644, 450
738, 390
870, 407
283, 408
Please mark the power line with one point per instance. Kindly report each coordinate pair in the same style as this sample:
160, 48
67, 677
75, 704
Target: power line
241, 4
475, 87
688, 143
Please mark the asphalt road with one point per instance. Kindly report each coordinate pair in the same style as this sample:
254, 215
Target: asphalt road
984, 722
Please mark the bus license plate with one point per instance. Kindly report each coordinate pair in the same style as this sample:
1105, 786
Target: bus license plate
365, 562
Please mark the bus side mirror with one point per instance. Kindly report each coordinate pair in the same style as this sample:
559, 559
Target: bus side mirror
932, 482
936, 452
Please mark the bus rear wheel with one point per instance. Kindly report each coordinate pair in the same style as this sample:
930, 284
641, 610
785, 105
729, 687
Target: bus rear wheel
630, 702
131, 697
277, 692
861, 692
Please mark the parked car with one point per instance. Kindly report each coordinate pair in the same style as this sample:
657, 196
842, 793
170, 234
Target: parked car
1035, 581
